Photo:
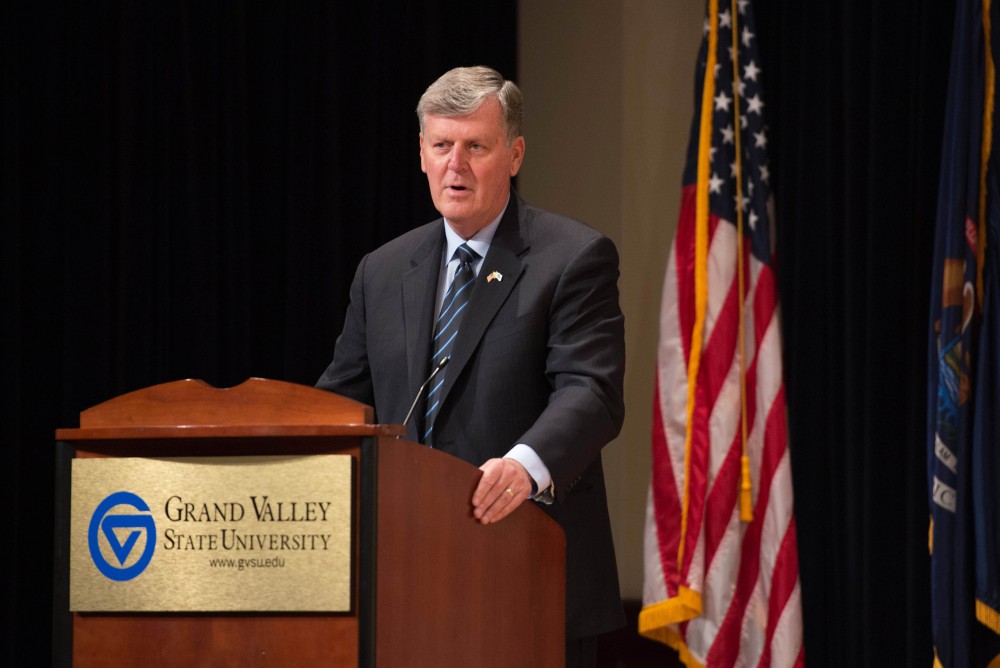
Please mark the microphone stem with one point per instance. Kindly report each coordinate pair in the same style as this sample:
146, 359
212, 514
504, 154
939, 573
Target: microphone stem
437, 368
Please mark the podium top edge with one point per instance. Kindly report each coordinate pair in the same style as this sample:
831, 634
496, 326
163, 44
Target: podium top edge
258, 402
227, 431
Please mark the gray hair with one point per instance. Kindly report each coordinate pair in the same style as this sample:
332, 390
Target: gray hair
461, 91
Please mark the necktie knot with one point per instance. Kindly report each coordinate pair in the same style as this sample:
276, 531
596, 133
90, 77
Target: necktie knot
464, 254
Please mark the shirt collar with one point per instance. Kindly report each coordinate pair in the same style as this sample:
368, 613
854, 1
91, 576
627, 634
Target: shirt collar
479, 242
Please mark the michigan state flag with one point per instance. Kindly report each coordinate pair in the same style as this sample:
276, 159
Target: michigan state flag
963, 436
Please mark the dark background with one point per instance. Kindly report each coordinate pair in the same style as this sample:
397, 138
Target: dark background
186, 189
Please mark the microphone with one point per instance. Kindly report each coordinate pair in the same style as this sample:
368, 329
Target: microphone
437, 369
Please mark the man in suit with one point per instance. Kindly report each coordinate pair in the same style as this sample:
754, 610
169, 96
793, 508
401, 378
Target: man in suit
523, 304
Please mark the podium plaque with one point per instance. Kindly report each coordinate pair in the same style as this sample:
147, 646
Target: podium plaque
210, 534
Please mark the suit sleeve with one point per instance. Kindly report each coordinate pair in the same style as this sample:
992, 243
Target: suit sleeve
349, 374
585, 365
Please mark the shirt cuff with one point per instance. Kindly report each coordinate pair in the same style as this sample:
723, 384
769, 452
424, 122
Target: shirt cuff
526, 456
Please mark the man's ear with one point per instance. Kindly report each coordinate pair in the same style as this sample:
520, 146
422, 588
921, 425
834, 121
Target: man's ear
517, 155
423, 167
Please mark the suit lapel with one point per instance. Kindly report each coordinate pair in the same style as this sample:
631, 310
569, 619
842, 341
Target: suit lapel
488, 296
419, 291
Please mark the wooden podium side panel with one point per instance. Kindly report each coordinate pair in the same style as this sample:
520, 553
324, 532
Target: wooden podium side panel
167, 640
448, 588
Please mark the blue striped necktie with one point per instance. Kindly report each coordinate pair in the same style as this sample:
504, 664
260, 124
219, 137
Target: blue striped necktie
446, 328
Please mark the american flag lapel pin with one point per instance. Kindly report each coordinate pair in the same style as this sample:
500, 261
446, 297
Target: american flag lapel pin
497, 275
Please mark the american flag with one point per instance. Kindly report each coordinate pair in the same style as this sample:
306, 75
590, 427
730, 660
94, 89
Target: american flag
721, 561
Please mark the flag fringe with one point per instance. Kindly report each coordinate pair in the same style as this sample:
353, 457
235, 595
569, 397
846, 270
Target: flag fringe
655, 619
672, 638
988, 616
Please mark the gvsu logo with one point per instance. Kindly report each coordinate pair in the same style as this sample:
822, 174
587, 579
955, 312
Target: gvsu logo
121, 532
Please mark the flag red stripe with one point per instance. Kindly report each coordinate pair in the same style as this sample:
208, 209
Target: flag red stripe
783, 581
720, 352
786, 567
684, 249
666, 501
716, 362
705, 394
726, 648
697, 472
723, 496
724, 491
684, 271
765, 303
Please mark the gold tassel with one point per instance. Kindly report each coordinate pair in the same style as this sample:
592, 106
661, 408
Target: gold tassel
746, 498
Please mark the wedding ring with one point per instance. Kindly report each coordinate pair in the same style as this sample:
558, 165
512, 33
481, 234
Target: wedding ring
510, 491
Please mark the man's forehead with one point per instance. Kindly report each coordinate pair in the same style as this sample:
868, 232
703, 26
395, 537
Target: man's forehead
487, 113
463, 126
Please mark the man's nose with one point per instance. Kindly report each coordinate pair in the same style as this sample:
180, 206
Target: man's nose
458, 158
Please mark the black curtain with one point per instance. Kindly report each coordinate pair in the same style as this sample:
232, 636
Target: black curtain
856, 91
187, 188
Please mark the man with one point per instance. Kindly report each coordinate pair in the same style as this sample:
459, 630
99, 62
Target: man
523, 304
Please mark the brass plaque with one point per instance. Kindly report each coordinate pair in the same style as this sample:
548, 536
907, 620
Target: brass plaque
211, 534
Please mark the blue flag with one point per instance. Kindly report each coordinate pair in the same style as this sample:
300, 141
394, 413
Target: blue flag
963, 435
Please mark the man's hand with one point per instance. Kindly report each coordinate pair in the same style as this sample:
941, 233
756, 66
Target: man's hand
504, 486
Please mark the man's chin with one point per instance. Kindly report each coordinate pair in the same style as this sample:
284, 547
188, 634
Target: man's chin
463, 199
455, 212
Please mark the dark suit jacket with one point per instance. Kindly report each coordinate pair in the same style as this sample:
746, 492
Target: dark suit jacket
539, 359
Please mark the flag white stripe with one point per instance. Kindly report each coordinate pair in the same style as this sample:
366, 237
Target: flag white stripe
654, 584
673, 376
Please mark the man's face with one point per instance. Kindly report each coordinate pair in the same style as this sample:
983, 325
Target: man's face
469, 166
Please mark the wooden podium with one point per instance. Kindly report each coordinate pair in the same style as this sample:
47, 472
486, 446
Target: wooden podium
430, 585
